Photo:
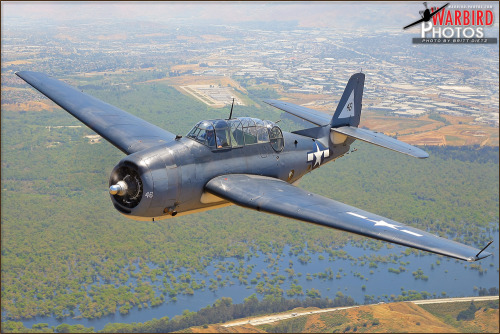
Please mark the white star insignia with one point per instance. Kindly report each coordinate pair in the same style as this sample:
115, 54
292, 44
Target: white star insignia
384, 223
317, 156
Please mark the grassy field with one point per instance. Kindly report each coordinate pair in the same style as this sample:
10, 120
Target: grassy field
485, 320
382, 318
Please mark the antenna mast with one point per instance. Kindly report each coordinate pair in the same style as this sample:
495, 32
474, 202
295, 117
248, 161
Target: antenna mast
231, 113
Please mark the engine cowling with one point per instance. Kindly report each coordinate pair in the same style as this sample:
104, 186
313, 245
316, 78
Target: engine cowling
141, 188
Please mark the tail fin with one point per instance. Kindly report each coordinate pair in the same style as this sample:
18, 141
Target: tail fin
345, 122
348, 111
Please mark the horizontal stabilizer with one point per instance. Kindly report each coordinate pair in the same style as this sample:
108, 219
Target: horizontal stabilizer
380, 139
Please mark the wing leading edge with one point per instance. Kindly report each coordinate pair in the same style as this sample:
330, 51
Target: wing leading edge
127, 132
278, 197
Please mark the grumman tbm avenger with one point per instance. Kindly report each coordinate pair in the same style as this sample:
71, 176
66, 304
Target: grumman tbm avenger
244, 161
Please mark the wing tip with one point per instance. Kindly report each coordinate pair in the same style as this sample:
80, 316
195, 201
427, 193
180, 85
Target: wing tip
270, 101
423, 155
23, 74
478, 257
485, 254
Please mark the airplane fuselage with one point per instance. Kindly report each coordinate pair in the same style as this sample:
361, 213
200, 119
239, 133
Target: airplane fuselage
177, 172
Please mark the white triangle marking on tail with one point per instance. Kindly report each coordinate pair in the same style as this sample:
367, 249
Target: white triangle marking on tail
348, 110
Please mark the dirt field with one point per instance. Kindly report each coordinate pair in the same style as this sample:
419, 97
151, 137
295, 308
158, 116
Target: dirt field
407, 317
30, 106
187, 80
424, 131
17, 62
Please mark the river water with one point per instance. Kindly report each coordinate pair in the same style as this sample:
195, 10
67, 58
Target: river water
452, 277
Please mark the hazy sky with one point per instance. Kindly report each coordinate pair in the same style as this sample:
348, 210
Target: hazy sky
324, 14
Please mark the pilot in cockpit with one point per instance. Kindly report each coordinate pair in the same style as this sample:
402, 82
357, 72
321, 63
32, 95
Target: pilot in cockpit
211, 139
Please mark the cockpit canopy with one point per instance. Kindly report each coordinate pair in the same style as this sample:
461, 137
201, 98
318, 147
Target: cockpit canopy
237, 132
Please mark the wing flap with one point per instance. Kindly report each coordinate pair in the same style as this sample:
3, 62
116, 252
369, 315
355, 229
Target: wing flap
125, 131
382, 140
280, 198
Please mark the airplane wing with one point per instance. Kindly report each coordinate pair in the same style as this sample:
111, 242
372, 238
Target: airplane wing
127, 132
412, 24
421, 20
437, 11
310, 115
280, 198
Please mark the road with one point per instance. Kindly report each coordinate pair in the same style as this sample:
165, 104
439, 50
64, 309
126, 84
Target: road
288, 315
453, 300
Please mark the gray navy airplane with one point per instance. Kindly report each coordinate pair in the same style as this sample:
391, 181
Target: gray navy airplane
244, 161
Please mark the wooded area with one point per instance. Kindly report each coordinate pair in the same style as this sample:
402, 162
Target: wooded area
67, 252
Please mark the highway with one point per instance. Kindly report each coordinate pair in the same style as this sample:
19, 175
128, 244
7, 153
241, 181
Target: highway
290, 314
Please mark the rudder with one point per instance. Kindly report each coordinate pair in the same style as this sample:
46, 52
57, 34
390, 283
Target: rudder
348, 111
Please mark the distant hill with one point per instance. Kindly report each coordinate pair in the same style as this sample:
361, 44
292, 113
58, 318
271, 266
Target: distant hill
390, 317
